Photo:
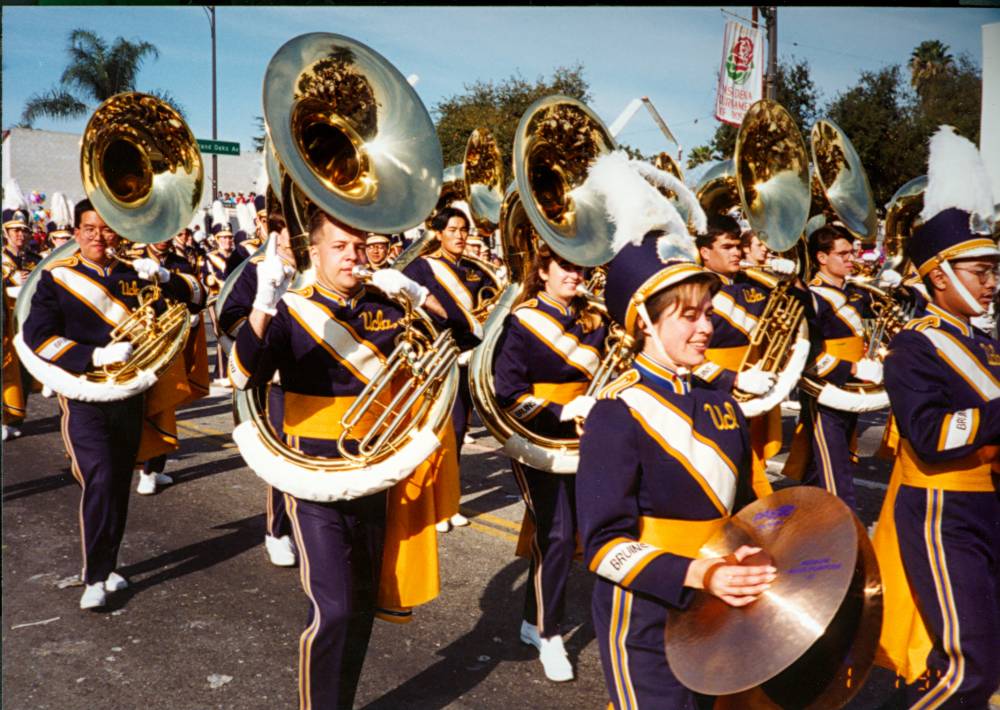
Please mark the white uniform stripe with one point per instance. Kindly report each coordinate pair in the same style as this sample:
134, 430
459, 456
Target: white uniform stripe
965, 363
112, 310
727, 307
623, 558
363, 357
677, 431
452, 284
960, 429
845, 311
553, 335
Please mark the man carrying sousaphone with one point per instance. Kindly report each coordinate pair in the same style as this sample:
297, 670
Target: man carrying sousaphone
664, 459
322, 371
938, 536
77, 302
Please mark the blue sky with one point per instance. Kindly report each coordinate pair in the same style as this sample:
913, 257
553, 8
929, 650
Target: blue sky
669, 54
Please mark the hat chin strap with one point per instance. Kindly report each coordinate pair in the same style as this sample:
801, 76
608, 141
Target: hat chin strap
972, 303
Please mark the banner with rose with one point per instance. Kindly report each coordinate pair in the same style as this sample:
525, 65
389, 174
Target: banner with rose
741, 78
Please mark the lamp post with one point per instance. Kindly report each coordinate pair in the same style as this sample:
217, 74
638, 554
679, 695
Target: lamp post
210, 12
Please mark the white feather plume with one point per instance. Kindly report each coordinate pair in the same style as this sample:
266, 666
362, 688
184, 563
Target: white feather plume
61, 211
668, 181
633, 205
245, 218
219, 215
956, 176
262, 181
13, 198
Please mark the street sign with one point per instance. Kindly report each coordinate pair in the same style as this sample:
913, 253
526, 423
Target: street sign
218, 147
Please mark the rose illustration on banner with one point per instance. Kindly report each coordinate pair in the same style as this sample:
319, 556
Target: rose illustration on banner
739, 65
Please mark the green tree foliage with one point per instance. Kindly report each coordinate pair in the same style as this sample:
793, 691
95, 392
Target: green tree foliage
795, 90
498, 106
96, 71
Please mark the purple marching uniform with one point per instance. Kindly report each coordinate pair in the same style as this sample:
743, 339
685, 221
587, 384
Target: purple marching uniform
943, 380
74, 308
213, 275
237, 307
840, 332
664, 460
547, 356
736, 306
326, 348
455, 283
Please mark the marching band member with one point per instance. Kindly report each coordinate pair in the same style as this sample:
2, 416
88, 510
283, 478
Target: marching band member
190, 376
76, 304
664, 460
239, 304
550, 349
18, 261
827, 459
213, 275
755, 252
341, 542
377, 251
938, 535
60, 227
455, 282
736, 307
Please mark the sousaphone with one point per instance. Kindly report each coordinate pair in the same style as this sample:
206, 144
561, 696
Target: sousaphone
143, 173
353, 139
557, 140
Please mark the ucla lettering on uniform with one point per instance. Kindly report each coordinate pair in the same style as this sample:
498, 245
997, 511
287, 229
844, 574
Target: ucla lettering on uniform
754, 296
724, 418
129, 288
376, 321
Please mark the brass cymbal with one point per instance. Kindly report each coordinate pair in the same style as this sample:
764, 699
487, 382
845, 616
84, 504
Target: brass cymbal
825, 604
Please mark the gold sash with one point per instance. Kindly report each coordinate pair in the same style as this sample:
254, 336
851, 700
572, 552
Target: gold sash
559, 392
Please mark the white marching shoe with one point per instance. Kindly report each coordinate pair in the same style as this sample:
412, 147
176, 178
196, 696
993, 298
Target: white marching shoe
280, 550
443, 526
458, 520
94, 596
115, 583
149, 481
10, 432
554, 660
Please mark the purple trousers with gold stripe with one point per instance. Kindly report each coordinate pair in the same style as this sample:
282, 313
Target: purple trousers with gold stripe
102, 440
340, 554
830, 464
277, 518
950, 546
550, 499
629, 631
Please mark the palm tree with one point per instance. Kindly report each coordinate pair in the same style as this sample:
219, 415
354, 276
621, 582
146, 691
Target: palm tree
95, 72
929, 60
700, 154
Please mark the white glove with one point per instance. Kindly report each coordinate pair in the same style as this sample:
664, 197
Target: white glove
869, 370
394, 283
111, 354
464, 358
149, 270
890, 278
273, 279
577, 407
754, 381
781, 266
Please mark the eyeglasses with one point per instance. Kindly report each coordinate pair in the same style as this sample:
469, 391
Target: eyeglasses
90, 231
984, 275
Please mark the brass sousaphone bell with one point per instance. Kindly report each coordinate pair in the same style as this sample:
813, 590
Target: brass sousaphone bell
557, 140
352, 138
143, 173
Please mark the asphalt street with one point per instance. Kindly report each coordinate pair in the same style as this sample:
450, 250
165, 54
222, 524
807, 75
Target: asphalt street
208, 622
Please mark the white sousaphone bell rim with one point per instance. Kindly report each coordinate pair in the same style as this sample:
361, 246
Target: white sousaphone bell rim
404, 198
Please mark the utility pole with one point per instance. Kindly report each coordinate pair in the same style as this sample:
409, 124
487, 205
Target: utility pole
210, 12
770, 14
